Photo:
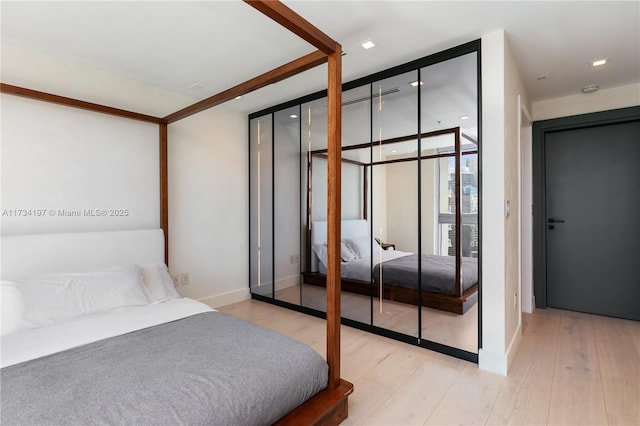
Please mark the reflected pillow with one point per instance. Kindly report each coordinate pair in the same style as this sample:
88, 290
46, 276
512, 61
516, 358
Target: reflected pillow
361, 246
346, 254
320, 249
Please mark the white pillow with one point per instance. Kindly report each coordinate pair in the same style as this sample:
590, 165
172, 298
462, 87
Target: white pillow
57, 298
320, 250
158, 283
361, 246
11, 309
346, 254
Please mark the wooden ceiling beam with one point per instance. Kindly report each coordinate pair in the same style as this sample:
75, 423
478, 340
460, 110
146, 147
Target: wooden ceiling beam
285, 71
296, 24
75, 103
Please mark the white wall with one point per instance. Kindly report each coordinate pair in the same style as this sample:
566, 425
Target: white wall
56, 157
25, 68
208, 205
515, 94
492, 354
402, 206
501, 86
602, 100
66, 166
351, 190
379, 215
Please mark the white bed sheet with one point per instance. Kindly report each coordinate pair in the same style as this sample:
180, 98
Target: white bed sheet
360, 269
38, 342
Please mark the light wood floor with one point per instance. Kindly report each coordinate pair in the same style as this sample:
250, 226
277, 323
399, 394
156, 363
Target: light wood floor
458, 331
571, 369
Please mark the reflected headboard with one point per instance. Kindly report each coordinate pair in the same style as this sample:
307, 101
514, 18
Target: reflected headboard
348, 229
36, 254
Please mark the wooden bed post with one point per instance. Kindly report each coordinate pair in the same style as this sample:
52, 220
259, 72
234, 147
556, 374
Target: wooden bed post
334, 126
164, 189
307, 262
365, 189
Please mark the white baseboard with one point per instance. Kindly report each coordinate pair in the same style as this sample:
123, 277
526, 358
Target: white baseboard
514, 345
227, 298
493, 362
281, 283
499, 363
236, 296
290, 281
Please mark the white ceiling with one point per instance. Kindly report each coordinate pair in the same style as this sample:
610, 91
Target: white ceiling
218, 44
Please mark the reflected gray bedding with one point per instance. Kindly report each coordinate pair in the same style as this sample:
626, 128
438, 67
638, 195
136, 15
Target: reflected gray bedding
438, 272
209, 368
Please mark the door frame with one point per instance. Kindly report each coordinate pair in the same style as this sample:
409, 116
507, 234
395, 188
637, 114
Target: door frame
540, 130
525, 228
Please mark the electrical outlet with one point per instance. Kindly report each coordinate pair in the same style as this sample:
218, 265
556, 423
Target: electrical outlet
176, 280
296, 258
515, 300
185, 278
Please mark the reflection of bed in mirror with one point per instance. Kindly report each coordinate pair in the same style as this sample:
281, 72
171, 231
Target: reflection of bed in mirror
361, 272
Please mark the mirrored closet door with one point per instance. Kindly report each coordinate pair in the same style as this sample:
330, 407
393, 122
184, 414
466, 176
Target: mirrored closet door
287, 198
410, 237
261, 245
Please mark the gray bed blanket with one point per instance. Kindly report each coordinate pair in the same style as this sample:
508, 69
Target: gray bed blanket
207, 369
438, 273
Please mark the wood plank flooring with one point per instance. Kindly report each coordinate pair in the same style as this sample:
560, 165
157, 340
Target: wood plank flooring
459, 331
571, 368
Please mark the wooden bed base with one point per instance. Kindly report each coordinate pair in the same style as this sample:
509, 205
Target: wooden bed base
443, 302
328, 407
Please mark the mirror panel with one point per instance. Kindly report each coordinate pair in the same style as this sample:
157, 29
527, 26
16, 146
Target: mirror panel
449, 99
395, 207
286, 171
261, 272
356, 130
356, 116
313, 150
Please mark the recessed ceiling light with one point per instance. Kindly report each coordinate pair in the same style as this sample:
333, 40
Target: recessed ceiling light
293, 116
368, 44
394, 151
464, 117
599, 62
239, 96
416, 83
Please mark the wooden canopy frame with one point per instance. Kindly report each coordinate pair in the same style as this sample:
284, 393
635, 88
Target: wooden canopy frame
330, 405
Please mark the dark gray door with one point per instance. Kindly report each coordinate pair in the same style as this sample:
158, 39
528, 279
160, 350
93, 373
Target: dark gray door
593, 219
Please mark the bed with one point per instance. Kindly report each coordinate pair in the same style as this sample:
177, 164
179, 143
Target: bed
399, 271
328, 406
124, 349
